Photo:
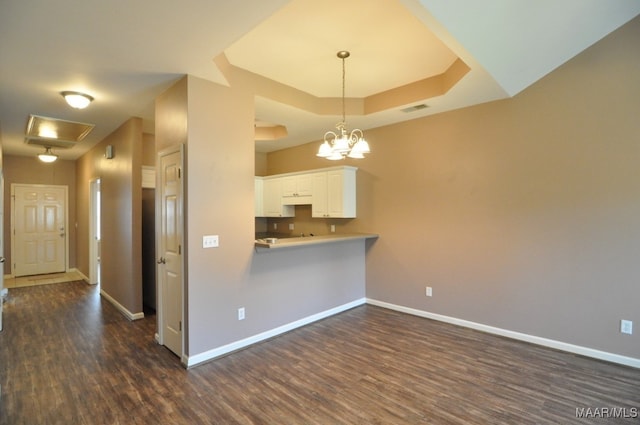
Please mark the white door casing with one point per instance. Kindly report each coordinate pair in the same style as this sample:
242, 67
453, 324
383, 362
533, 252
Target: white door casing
2, 290
39, 228
94, 231
169, 249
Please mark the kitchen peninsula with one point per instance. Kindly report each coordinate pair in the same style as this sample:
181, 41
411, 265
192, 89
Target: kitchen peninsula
311, 240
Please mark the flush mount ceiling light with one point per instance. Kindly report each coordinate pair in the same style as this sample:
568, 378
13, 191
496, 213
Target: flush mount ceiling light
340, 145
77, 100
47, 156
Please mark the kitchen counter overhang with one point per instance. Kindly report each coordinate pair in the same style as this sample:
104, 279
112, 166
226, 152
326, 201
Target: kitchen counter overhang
312, 240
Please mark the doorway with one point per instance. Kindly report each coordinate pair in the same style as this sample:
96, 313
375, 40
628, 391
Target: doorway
39, 226
94, 232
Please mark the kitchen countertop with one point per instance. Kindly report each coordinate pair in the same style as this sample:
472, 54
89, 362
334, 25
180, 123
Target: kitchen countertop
312, 240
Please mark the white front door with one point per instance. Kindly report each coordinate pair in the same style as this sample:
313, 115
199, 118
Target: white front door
170, 266
39, 229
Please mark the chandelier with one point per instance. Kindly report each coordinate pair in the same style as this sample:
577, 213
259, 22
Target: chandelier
343, 144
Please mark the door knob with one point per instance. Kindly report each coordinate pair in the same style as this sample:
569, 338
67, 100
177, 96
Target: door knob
1, 259
162, 261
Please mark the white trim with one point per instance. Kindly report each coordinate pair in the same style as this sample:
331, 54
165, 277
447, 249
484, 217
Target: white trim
82, 275
558, 345
129, 315
94, 230
148, 177
190, 361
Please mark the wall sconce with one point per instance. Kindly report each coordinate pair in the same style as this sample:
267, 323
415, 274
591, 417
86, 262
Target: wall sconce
109, 152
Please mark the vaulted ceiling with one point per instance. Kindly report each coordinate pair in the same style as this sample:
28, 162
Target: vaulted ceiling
409, 58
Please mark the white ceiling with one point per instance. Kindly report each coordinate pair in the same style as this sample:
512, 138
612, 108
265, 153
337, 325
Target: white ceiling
125, 53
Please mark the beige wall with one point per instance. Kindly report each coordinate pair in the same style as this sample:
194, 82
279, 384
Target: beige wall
148, 150
521, 214
121, 213
276, 288
29, 170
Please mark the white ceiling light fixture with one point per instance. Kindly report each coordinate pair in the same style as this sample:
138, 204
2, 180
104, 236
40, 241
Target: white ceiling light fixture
47, 156
77, 100
343, 144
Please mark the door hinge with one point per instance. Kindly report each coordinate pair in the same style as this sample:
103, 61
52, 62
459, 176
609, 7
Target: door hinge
180, 326
179, 172
179, 249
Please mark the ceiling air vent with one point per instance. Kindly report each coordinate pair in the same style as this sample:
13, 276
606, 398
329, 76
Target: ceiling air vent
415, 108
54, 132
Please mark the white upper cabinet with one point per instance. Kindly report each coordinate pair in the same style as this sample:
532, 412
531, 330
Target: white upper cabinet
330, 191
273, 207
334, 193
259, 196
297, 185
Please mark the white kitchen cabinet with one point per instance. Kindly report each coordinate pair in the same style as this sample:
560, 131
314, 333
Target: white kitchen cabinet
259, 196
334, 193
296, 185
273, 207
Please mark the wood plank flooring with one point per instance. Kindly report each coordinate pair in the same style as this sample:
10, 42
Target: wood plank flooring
68, 357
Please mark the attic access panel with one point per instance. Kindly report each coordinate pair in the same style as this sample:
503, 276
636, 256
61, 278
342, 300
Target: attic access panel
54, 132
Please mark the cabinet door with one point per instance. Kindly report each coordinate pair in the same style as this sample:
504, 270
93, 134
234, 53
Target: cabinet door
273, 200
304, 185
319, 198
289, 186
259, 197
341, 193
299, 185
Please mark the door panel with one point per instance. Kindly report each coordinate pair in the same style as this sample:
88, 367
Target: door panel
39, 229
170, 262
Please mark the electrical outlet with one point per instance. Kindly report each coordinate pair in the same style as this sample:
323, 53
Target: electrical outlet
210, 241
626, 327
429, 291
333, 228
275, 226
241, 313
290, 226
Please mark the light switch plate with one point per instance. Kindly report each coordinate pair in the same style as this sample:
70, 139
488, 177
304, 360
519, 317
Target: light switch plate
210, 241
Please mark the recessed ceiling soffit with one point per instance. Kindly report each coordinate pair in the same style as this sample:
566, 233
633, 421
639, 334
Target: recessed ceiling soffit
54, 132
398, 97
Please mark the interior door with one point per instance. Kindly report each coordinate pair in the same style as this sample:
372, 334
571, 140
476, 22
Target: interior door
39, 229
170, 259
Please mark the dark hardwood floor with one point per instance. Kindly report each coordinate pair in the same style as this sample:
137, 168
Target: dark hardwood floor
68, 357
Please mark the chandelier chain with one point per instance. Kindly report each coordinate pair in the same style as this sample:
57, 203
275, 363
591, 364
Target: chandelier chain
344, 114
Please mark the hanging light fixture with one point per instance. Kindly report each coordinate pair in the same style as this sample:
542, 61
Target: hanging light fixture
77, 100
47, 156
343, 144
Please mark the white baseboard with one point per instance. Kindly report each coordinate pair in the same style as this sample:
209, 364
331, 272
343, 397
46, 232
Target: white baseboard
558, 345
129, 315
82, 275
243, 343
